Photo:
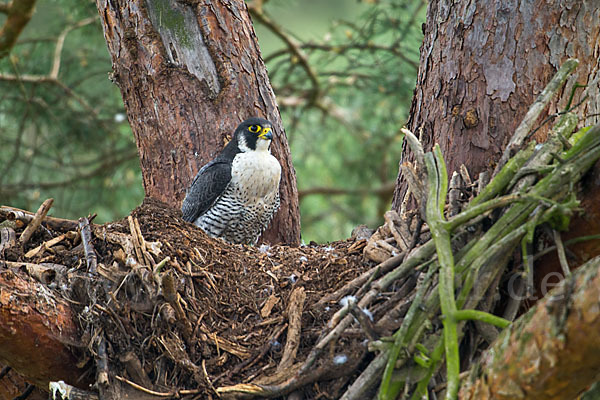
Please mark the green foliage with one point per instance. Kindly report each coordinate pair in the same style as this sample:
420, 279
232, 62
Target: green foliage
67, 136
344, 131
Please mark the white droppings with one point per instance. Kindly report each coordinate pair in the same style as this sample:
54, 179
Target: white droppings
340, 359
347, 300
368, 313
60, 387
303, 259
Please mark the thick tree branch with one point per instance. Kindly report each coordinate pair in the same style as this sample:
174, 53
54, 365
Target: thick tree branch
18, 13
552, 352
29, 307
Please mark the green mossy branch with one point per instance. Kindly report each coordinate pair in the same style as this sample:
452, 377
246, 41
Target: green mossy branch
474, 266
438, 185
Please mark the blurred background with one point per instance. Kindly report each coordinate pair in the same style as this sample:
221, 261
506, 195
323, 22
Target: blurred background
346, 66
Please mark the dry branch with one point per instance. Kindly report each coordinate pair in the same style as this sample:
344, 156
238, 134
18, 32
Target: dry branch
88, 247
16, 214
36, 221
295, 325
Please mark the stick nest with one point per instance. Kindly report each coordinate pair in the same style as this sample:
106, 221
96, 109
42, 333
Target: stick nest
210, 315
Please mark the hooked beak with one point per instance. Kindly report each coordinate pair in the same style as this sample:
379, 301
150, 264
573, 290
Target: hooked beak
266, 134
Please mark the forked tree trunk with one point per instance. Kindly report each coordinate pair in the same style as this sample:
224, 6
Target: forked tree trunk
483, 63
189, 73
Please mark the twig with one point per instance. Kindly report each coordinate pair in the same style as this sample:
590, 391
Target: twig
172, 297
364, 320
294, 48
366, 380
560, 249
143, 389
415, 184
137, 246
417, 149
4, 371
419, 191
477, 315
464, 174
102, 367
46, 245
88, 247
8, 238
482, 181
454, 194
29, 388
296, 304
36, 221
207, 378
61, 41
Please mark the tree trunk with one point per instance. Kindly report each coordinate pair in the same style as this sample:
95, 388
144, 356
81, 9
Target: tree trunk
37, 332
484, 63
189, 73
552, 352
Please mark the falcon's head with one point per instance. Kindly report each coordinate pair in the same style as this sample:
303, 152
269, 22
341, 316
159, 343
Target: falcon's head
254, 134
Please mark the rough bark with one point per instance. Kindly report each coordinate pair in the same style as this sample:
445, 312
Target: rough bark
550, 353
189, 73
32, 321
482, 65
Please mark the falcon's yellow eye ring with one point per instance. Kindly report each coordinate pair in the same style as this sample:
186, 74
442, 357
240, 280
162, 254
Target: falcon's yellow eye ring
254, 128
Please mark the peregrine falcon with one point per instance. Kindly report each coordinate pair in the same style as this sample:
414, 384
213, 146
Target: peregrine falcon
236, 195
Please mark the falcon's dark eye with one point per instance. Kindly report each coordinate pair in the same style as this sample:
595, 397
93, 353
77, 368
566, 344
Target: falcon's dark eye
254, 128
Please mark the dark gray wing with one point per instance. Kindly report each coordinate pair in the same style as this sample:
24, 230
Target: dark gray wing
208, 185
